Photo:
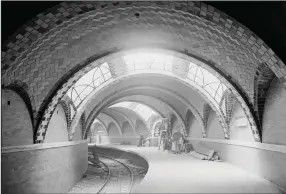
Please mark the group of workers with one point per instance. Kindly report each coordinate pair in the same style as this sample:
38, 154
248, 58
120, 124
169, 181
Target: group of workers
174, 144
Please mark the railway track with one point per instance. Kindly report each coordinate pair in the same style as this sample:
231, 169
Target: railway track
116, 175
121, 176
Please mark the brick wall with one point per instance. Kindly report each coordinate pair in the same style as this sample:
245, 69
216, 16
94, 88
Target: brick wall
274, 118
16, 122
214, 129
239, 125
50, 170
57, 129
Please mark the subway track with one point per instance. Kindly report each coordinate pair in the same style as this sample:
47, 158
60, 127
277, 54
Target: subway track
116, 175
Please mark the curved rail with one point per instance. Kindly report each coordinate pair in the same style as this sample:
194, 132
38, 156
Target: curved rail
127, 167
108, 177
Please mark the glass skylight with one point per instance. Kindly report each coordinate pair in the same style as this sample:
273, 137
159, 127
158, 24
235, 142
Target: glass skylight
87, 83
160, 62
207, 81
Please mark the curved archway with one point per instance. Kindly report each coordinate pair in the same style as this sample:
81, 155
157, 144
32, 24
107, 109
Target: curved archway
129, 112
132, 124
216, 30
104, 126
225, 123
138, 90
100, 115
117, 116
150, 99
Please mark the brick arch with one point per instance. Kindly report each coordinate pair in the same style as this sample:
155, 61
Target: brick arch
262, 81
67, 111
48, 23
31, 41
227, 104
206, 113
188, 118
82, 119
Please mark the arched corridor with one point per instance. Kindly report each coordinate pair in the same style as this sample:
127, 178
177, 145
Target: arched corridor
127, 74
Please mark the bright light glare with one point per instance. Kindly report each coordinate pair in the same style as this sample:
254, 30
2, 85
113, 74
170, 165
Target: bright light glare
144, 111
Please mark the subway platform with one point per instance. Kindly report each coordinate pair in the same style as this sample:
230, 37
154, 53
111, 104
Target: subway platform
169, 173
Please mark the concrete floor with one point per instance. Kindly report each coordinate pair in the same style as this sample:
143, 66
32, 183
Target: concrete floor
169, 173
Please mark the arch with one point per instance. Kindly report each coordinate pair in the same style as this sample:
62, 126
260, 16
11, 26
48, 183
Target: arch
129, 98
189, 116
104, 126
228, 33
206, 113
113, 120
116, 116
67, 111
123, 109
125, 117
253, 126
262, 81
165, 91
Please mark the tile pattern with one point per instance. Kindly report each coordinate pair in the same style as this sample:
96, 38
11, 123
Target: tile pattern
206, 113
262, 81
58, 40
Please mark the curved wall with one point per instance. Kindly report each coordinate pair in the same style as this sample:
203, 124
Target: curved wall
127, 130
113, 130
239, 126
43, 168
265, 160
57, 129
16, 122
195, 130
274, 117
214, 129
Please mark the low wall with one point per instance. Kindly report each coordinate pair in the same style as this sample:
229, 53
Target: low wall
131, 141
265, 160
43, 168
115, 152
124, 140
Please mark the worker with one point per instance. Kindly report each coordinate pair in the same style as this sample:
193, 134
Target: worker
140, 144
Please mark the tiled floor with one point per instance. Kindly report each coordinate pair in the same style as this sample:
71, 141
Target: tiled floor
169, 173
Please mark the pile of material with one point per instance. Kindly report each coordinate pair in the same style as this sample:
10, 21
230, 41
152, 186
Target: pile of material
201, 152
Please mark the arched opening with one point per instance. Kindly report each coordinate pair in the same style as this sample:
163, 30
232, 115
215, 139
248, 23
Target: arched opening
210, 87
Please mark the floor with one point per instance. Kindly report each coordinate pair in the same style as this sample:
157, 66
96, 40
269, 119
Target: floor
169, 173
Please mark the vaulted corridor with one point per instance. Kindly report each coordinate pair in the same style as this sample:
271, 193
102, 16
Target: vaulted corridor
141, 97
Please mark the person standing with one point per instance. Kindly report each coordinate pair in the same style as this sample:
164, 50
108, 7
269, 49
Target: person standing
140, 140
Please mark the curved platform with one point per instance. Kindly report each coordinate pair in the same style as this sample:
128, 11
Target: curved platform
169, 173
